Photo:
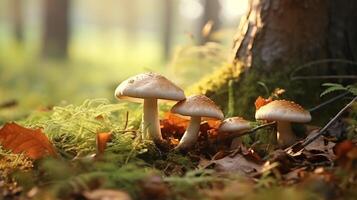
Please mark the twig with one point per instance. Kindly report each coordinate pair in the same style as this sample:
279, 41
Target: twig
328, 101
126, 120
322, 131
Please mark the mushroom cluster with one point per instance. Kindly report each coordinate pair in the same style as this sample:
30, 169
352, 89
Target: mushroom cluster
150, 87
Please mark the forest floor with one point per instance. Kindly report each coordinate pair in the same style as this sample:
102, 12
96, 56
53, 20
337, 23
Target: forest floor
95, 151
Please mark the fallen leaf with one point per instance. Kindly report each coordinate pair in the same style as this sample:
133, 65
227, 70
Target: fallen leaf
238, 163
260, 101
341, 149
32, 142
235, 162
321, 147
173, 126
346, 153
102, 140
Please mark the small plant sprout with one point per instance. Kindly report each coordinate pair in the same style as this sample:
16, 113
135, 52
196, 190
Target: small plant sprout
150, 87
283, 112
196, 107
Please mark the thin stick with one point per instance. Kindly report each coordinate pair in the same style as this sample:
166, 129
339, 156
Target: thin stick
322, 131
126, 120
328, 101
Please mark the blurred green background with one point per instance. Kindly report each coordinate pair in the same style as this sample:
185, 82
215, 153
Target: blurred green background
64, 51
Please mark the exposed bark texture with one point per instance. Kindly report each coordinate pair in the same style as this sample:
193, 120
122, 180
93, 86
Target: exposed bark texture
280, 33
56, 30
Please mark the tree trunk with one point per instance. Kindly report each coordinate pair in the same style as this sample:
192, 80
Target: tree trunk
276, 36
18, 21
293, 32
210, 20
56, 30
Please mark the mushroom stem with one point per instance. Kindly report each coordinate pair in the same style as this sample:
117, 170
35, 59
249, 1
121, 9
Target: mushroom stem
151, 124
190, 137
285, 135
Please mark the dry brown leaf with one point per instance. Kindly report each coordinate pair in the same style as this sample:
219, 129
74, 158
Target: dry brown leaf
321, 146
260, 101
237, 163
173, 126
346, 153
32, 142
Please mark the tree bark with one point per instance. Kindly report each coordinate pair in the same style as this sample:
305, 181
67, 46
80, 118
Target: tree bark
282, 32
56, 30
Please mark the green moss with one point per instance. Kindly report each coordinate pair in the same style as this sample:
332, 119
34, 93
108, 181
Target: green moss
73, 128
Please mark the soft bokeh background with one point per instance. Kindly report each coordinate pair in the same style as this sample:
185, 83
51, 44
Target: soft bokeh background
55, 51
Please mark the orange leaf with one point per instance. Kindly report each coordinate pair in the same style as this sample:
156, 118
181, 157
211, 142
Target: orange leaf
102, 140
261, 102
173, 125
32, 142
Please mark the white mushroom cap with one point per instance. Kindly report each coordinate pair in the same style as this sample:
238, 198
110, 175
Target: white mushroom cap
198, 106
282, 110
148, 86
234, 124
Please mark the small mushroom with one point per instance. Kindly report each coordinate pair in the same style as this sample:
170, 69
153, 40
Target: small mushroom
283, 112
150, 87
235, 125
196, 107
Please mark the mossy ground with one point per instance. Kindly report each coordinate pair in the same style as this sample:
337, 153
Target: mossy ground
130, 163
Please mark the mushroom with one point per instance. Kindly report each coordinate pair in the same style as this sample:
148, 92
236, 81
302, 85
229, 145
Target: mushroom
283, 112
236, 125
196, 107
150, 87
